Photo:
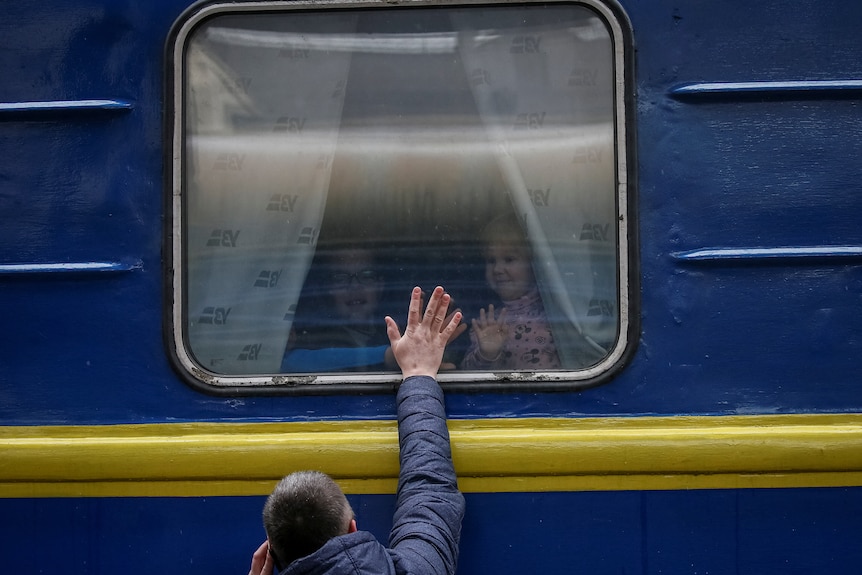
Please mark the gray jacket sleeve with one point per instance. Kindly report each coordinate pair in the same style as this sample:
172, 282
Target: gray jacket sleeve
427, 525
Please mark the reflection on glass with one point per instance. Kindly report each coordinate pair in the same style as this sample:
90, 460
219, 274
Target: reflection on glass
334, 159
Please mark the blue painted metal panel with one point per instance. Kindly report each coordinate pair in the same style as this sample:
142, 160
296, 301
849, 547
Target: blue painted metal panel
746, 532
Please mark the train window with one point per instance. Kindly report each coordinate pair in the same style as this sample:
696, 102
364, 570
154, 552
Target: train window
327, 159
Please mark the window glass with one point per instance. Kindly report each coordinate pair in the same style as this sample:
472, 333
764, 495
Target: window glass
329, 160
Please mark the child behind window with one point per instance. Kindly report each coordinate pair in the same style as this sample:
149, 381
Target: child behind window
519, 337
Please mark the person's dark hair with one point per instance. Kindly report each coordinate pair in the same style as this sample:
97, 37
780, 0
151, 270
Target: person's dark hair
305, 510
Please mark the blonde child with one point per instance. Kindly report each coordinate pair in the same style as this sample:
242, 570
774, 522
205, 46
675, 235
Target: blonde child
518, 337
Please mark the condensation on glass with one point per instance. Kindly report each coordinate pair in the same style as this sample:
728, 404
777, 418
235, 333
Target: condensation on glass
331, 159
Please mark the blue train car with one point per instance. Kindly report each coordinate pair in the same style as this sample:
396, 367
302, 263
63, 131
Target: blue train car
188, 191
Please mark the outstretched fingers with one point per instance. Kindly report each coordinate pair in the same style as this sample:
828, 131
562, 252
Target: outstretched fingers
452, 329
459, 327
437, 313
392, 330
432, 312
419, 350
414, 312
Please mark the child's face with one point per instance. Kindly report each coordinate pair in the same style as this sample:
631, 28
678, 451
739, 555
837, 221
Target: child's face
355, 286
508, 270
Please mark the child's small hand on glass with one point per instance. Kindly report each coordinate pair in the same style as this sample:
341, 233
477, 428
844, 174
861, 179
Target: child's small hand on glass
491, 333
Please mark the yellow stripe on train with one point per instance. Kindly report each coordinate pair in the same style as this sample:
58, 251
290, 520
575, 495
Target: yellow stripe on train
491, 455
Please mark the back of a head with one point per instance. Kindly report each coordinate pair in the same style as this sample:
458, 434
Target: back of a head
305, 510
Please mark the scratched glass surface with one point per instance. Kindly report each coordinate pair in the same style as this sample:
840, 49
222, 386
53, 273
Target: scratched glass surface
334, 159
